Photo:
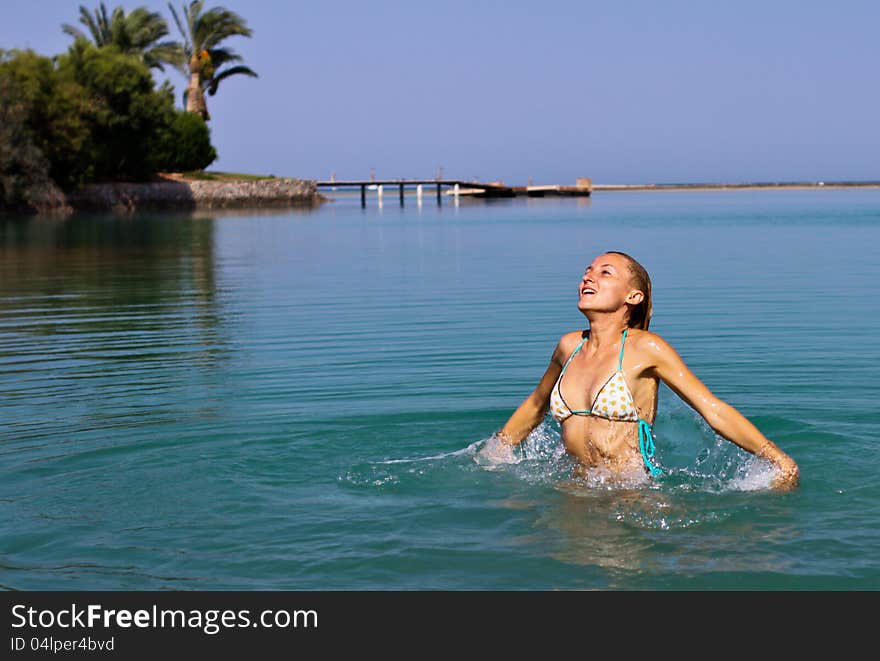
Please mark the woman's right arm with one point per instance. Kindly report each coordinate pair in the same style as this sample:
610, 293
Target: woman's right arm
721, 416
531, 412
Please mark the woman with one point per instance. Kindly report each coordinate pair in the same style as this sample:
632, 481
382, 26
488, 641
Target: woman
601, 384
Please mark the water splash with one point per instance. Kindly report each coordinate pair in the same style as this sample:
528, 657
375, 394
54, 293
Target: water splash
493, 454
470, 449
386, 473
541, 458
722, 467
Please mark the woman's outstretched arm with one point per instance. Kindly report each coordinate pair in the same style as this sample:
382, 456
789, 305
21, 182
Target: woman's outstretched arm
531, 412
721, 416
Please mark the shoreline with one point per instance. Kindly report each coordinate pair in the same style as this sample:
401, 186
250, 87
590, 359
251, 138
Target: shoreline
818, 185
179, 193
185, 194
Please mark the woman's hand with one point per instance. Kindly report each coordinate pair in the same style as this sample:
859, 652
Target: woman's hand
496, 450
787, 471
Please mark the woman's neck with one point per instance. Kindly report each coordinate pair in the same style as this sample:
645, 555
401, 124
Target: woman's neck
606, 330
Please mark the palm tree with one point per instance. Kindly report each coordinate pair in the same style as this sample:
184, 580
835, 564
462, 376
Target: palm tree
200, 57
136, 33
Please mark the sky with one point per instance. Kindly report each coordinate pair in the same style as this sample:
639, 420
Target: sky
628, 91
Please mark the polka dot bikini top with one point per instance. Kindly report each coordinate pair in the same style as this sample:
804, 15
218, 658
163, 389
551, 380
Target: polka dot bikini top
613, 401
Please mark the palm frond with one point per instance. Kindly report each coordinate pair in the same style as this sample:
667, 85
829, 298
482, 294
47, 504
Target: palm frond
92, 24
183, 32
145, 27
166, 52
135, 33
226, 73
192, 14
221, 56
218, 24
118, 30
74, 32
103, 24
170, 51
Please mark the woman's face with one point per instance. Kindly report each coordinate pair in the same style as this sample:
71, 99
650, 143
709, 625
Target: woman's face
605, 284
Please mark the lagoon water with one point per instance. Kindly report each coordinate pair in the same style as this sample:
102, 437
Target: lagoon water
295, 400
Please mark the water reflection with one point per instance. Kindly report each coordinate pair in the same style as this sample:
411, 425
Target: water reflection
590, 529
677, 535
108, 314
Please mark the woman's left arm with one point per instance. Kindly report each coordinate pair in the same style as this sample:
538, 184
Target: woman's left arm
721, 416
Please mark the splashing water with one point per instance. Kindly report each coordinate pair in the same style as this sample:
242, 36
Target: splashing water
541, 457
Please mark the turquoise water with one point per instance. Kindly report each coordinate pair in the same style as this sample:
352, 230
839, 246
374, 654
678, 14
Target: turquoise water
294, 400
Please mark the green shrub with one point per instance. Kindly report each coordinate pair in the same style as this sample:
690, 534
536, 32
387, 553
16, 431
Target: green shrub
92, 114
187, 144
24, 170
126, 114
53, 112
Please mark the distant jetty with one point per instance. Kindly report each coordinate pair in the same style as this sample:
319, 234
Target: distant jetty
455, 187
584, 187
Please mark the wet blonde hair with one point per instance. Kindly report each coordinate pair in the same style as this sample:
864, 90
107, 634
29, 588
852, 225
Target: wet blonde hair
639, 315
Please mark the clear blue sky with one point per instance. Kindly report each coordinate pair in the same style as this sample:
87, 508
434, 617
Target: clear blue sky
623, 92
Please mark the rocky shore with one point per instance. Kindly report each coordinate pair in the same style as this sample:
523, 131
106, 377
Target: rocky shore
181, 194
187, 194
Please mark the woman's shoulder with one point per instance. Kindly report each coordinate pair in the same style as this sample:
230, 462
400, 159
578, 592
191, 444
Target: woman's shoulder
573, 338
568, 342
575, 335
647, 342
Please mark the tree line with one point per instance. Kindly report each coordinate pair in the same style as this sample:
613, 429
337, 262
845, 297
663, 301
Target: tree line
95, 112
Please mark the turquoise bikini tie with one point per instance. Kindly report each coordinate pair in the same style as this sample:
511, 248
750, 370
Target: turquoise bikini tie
646, 445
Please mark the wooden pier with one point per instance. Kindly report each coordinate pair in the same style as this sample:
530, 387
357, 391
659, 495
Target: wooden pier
455, 187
